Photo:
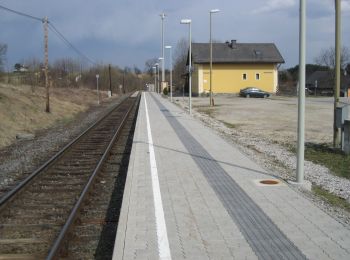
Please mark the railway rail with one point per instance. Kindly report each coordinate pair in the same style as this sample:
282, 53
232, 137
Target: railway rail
72, 195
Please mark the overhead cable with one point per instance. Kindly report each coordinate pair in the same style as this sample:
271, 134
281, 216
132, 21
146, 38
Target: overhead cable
53, 29
63, 38
20, 13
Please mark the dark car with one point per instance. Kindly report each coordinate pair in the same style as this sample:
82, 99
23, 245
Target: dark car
253, 92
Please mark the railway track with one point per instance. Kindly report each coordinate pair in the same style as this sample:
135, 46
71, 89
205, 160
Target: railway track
68, 208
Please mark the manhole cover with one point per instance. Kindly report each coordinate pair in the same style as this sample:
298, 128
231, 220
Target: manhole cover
269, 182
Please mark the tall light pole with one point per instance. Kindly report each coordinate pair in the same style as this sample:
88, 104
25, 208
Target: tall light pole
161, 60
213, 11
171, 73
98, 93
162, 16
301, 99
188, 21
155, 77
336, 138
157, 72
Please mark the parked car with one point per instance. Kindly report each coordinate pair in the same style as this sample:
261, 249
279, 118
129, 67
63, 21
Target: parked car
253, 92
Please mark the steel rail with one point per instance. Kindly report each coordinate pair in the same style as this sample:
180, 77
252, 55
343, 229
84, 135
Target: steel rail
75, 211
10, 195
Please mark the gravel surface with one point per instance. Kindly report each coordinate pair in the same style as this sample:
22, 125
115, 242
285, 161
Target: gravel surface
279, 161
23, 157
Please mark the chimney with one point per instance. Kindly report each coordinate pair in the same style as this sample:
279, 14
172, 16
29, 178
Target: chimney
232, 44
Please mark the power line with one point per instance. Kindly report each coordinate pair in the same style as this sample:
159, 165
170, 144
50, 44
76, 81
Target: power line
20, 13
53, 29
64, 39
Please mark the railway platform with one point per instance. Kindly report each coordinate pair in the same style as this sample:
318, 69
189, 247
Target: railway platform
191, 195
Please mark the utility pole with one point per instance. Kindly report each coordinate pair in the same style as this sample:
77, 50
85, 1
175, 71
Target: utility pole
155, 78
110, 79
211, 102
158, 87
336, 132
301, 99
46, 62
171, 77
171, 73
162, 15
211, 64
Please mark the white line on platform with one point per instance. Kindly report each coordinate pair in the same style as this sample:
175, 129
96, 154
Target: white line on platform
162, 235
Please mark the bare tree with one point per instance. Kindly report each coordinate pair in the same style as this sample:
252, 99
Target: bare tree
33, 64
327, 57
180, 58
3, 50
65, 72
137, 71
149, 64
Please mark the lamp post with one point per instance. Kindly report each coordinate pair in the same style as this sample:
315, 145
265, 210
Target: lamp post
98, 94
171, 73
162, 16
211, 57
188, 21
301, 99
336, 132
155, 77
161, 60
157, 72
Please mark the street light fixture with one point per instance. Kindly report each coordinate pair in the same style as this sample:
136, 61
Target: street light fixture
171, 73
188, 21
211, 58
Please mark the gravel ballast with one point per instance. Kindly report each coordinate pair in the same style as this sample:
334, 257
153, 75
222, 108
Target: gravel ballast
25, 156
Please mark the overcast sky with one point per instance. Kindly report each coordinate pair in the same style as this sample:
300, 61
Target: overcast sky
128, 32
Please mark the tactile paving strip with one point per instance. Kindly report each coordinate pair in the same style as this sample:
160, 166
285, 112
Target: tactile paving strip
265, 238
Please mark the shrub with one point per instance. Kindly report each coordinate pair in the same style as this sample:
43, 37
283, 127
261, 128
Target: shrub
165, 91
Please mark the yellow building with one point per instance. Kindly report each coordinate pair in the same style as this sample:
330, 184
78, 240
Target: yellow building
235, 66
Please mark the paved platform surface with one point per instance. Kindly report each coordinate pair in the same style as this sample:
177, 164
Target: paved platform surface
191, 195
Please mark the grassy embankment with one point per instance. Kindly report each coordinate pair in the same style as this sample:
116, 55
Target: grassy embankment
23, 111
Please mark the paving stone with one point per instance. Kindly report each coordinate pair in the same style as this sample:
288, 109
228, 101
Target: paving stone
213, 209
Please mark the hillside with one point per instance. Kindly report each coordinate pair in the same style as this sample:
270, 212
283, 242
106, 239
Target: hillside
23, 111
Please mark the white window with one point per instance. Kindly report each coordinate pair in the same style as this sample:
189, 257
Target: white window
244, 76
257, 76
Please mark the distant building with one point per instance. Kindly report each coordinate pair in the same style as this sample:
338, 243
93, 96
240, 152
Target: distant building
20, 68
235, 66
322, 83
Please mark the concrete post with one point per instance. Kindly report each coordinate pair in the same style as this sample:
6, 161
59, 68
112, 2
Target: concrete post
301, 99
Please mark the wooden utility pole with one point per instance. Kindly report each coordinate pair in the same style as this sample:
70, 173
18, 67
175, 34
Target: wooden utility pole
336, 132
46, 62
110, 79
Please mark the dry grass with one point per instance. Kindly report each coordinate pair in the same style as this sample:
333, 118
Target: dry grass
22, 110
